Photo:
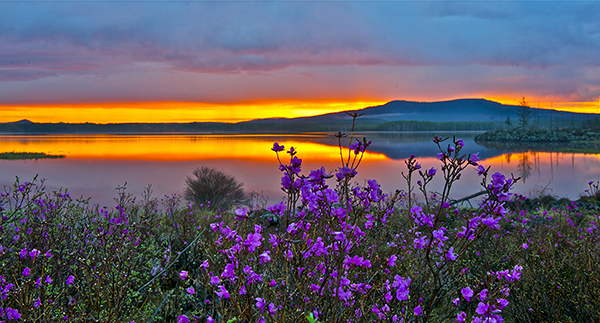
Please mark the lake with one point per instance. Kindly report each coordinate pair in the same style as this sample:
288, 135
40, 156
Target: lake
96, 164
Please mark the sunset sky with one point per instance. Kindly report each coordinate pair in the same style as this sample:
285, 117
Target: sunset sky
170, 61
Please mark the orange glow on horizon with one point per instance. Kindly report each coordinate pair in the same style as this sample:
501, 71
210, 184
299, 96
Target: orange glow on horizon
166, 112
174, 147
579, 107
183, 112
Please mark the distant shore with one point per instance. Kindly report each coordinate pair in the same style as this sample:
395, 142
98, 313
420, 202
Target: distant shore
541, 135
27, 155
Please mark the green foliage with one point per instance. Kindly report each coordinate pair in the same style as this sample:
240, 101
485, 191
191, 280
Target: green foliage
524, 113
214, 187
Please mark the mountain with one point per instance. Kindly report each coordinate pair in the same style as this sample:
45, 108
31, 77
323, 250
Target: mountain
473, 110
24, 121
461, 114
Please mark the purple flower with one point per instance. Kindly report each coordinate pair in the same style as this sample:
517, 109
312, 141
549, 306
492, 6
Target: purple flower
339, 236
392, 261
451, 255
23, 253
460, 143
48, 280
272, 308
344, 173
264, 257
204, 265
37, 303
191, 290
222, 292
241, 212
183, 319
502, 303
474, 159
402, 285
467, 293
260, 303
215, 280
183, 274
483, 295
277, 147
525, 246
491, 222
482, 308
456, 301
440, 156
253, 240
431, 171
228, 272
26, 272
421, 242
388, 297
12, 314
70, 280
418, 311
461, 317
34, 253
480, 170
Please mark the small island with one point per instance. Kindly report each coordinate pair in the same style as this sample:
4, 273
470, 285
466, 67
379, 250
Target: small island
566, 140
541, 135
27, 155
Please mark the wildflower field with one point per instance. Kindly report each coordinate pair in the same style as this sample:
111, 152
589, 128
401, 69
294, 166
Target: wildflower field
333, 250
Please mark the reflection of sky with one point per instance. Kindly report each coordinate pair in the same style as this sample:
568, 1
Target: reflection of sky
96, 164
239, 51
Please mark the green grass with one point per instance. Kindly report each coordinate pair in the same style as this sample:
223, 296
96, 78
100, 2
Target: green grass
25, 155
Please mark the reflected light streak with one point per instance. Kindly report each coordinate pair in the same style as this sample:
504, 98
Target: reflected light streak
173, 148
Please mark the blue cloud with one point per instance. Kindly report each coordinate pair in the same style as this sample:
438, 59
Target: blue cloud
46, 39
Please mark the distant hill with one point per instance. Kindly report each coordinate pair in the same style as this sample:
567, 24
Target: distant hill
454, 115
474, 110
24, 121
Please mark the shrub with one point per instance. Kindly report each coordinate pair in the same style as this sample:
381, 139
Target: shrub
214, 187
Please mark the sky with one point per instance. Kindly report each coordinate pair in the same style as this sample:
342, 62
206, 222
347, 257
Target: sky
172, 61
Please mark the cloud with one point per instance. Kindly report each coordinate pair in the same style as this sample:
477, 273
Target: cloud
544, 43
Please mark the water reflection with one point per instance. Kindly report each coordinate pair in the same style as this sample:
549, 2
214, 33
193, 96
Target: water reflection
96, 164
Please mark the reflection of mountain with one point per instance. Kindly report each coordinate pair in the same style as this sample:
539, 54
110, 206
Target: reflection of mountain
402, 145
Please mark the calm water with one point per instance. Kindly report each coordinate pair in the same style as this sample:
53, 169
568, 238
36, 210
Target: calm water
96, 164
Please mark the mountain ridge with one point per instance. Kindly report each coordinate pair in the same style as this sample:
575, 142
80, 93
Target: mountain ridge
469, 110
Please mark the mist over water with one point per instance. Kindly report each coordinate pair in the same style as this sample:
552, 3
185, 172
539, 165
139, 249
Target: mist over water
96, 164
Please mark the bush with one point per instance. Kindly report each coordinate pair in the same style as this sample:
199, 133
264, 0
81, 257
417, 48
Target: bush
214, 187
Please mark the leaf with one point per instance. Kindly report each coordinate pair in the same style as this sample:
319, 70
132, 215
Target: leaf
311, 318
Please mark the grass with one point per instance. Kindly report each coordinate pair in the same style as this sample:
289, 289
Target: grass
27, 155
